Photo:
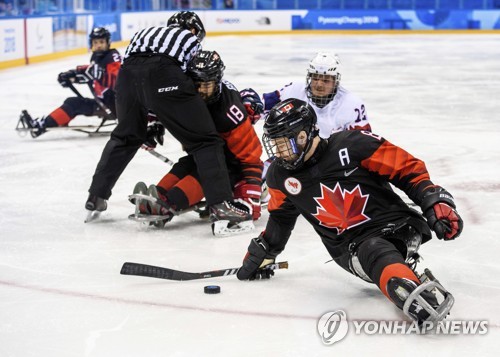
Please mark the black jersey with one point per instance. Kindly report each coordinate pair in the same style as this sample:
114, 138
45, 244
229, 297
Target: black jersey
344, 190
243, 148
110, 61
175, 42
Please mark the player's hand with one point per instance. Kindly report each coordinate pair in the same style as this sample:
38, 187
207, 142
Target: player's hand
154, 136
249, 195
255, 261
65, 78
252, 103
438, 207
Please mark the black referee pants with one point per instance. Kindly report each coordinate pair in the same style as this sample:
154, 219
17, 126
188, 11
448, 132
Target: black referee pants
157, 83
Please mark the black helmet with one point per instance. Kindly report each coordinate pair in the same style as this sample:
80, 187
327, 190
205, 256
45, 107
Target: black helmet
286, 120
207, 66
99, 32
188, 20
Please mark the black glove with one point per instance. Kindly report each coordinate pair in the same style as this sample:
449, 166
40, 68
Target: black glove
255, 260
65, 78
438, 207
154, 135
253, 104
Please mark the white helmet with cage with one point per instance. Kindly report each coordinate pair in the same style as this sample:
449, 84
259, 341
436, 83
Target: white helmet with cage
325, 66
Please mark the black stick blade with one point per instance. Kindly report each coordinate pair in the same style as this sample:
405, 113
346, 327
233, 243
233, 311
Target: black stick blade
156, 272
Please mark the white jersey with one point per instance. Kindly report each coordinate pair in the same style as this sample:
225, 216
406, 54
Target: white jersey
345, 112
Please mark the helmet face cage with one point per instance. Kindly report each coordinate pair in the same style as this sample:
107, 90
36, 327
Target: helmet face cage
99, 32
284, 123
323, 64
188, 20
207, 66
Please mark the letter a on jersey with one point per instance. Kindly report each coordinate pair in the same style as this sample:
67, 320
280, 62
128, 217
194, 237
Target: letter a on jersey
341, 209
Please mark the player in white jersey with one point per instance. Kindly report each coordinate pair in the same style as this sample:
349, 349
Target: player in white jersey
337, 109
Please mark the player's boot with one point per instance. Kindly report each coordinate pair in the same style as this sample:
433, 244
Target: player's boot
94, 206
95, 203
141, 206
162, 207
419, 302
36, 126
230, 217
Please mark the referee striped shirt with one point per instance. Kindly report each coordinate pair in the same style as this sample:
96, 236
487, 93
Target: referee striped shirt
175, 42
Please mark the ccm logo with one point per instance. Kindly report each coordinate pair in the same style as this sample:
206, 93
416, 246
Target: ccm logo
167, 89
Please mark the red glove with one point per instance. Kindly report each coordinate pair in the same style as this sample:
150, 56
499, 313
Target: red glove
447, 223
438, 207
249, 195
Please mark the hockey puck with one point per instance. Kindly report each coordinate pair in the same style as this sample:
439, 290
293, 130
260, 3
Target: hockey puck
212, 289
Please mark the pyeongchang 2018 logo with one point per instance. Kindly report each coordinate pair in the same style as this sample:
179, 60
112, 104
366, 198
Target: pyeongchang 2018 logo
333, 327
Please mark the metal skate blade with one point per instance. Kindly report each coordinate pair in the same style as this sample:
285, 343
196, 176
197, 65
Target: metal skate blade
92, 216
222, 228
141, 217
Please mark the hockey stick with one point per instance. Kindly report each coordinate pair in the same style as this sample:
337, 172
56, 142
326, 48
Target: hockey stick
159, 156
72, 87
109, 113
171, 274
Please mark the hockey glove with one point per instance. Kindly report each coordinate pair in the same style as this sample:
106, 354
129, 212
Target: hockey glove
438, 207
255, 260
249, 195
252, 103
65, 78
154, 135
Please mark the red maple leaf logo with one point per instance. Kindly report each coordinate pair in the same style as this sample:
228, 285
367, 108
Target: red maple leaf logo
341, 209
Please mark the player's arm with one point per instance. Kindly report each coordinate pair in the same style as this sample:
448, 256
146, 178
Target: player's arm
410, 174
394, 164
273, 98
244, 144
264, 249
240, 137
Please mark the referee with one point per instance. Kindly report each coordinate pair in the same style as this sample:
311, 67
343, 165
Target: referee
153, 77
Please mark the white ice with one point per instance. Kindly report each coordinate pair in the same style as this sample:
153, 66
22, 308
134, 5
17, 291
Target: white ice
61, 293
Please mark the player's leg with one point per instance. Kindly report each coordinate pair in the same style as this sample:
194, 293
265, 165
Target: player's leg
61, 116
185, 115
125, 139
378, 260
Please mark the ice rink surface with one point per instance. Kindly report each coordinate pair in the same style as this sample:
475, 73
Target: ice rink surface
61, 293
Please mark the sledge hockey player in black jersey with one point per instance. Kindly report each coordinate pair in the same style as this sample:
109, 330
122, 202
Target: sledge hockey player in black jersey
341, 186
180, 189
101, 74
153, 77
